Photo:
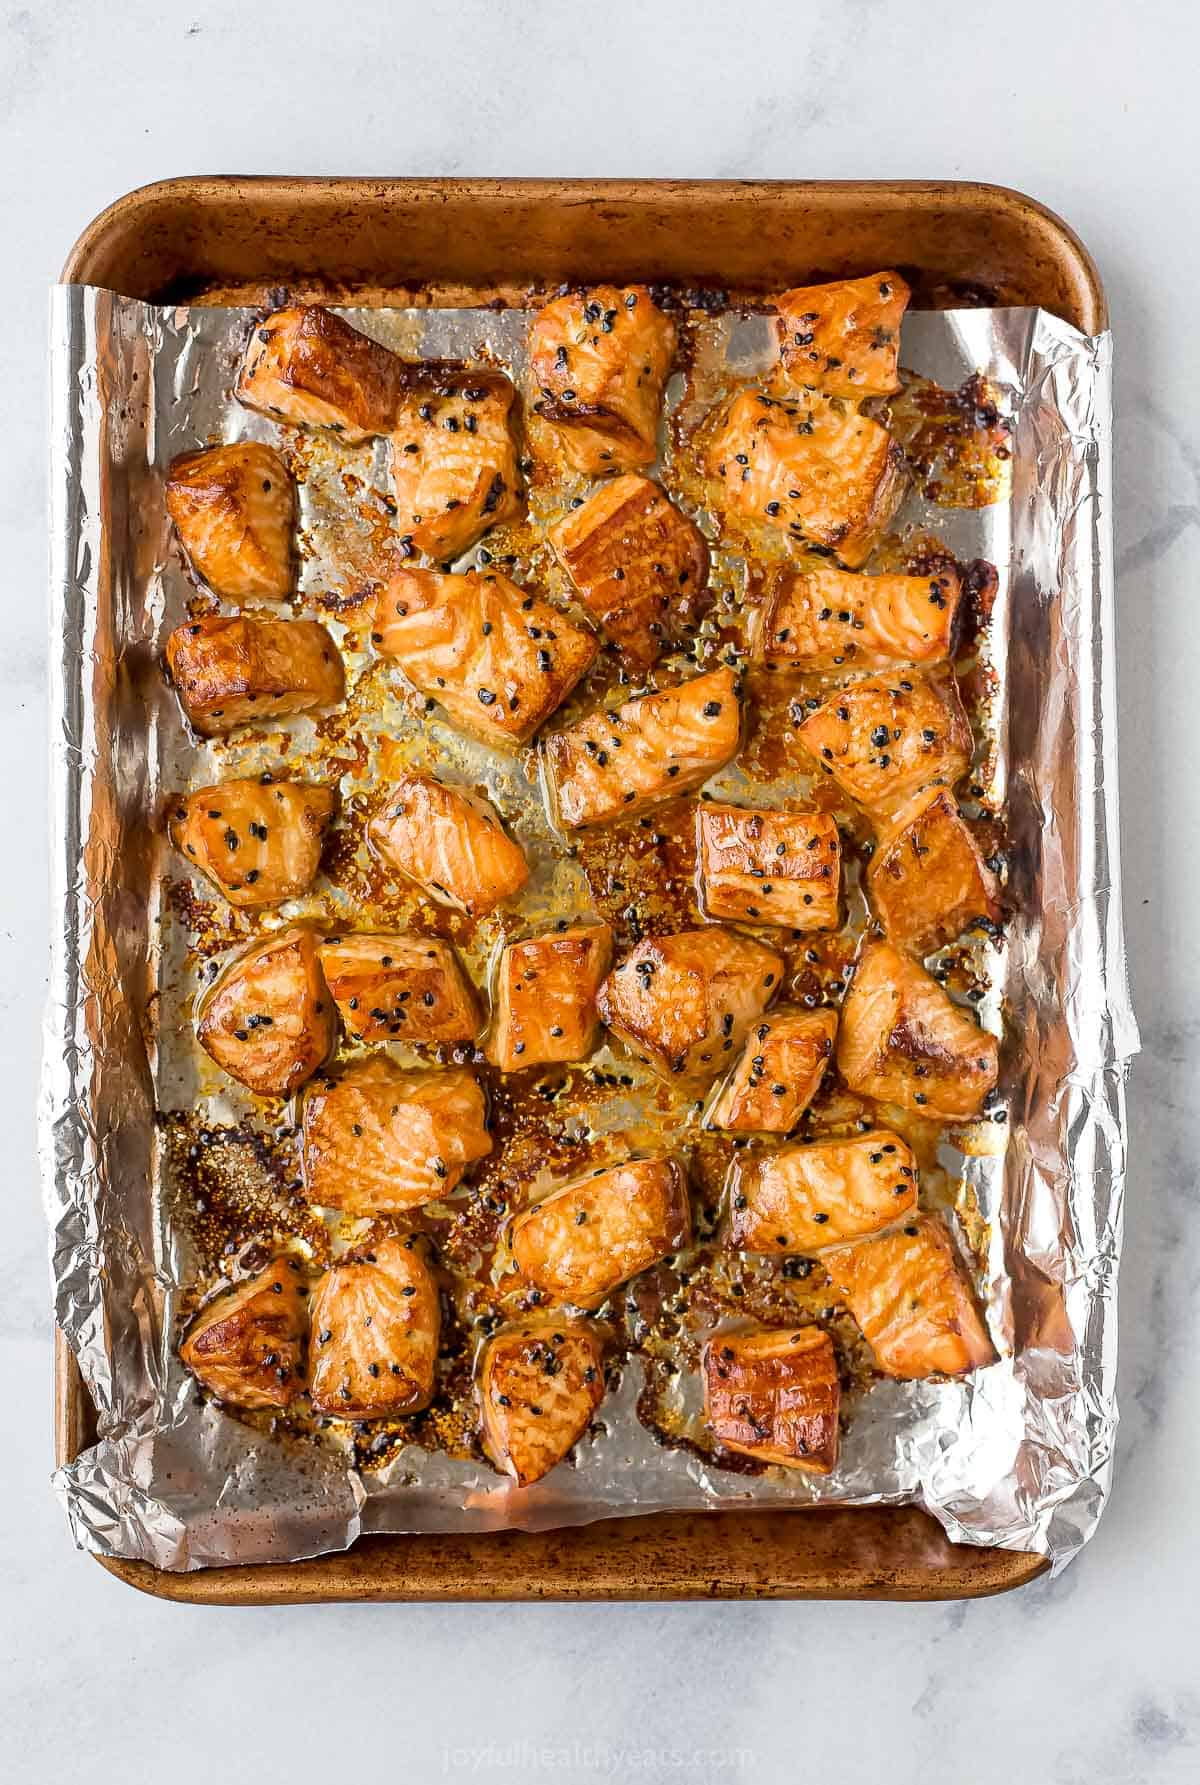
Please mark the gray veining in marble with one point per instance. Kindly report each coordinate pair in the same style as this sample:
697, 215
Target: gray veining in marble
1093, 1678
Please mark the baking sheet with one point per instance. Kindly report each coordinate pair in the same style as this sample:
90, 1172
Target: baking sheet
1019, 1454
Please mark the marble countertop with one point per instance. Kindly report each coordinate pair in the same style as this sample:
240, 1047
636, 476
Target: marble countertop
1092, 1677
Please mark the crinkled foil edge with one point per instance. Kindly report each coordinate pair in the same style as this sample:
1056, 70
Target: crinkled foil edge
1023, 1458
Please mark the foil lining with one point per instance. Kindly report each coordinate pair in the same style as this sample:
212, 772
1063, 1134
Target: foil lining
1017, 1455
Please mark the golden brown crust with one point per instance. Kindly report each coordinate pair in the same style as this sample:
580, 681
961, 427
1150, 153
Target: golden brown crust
884, 736
259, 841
801, 1199
249, 1347
308, 366
389, 986
768, 866
545, 997
779, 1072
538, 1384
449, 841
268, 1020
236, 671
908, 1293
823, 618
844, 337
454, 462
234, 508
599, 360
773, 1394
589, 1236
375, 1326
927, 881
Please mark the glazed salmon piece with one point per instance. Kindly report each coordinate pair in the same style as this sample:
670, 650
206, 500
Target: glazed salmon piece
308, 367
450, 842
814, 468
769, 866
378, 1140
927, 881
454, 461
684, 1004
499, 659
258, 841
375, 1327
234, 508
902, 1040
393, 987
600, 360
249, 1347
778, 1075
545, 997
801, 1199
230, 672
268, 1019
539, 1385
844, 338
593, 1234
883, 737
773, 1393
638, 564
621, 762
823, 618
908, 1293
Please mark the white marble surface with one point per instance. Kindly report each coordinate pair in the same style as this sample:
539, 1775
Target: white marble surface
1092, 107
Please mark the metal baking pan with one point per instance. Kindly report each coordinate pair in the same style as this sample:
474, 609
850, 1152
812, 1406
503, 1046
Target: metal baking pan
467, 242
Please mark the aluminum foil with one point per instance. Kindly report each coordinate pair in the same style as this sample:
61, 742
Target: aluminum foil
1018, 1454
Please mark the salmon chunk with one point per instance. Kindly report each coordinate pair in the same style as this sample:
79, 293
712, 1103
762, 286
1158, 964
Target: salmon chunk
600, 360
497, 658
231, 672
684, 1004
638, 565
778, 1074
770, 867
815, 469
773, 1393
375, 1327
258, 841
454, 462
393, 987
591, 1235
908, 1293
902, 1040
450, 842
844, 338
804, 1198
249, 1347
308, 367
619, 763
234, 508
539, 1385
267, 1019
885, 736
825, 618
378, 1140
927, 881
545, 997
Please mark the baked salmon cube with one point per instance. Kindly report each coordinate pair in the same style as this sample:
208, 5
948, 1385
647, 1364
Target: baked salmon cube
801, 1199
823, 618
619, 763
813, 468
928, 881
249, 1346
778, 1074
769, 866
638, 564
450, 842
588, 1237
902, 1040
454, 461
234, 508
258, 841
376, 1321
909, 1294
684, 1004
392, 987
773, 1394
378, 1140
497, 658
539, 1384
545, 997
230, 672
885, 736
844, 337
268, 1019
600, 359
308, 367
